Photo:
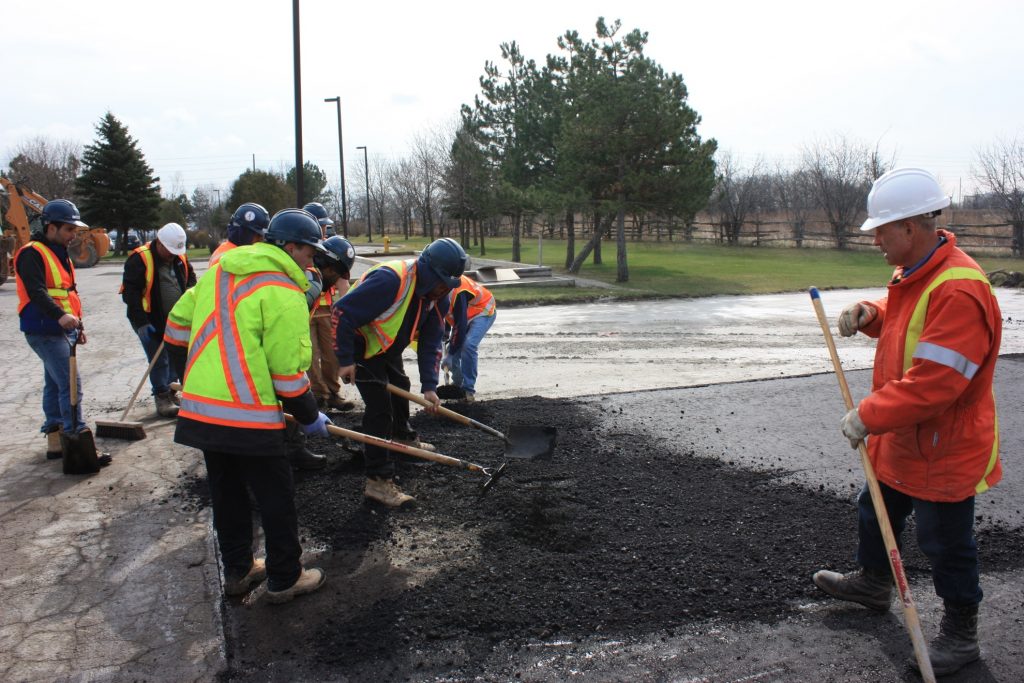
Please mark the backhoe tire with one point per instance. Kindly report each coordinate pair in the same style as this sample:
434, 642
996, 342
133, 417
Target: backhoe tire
83, 253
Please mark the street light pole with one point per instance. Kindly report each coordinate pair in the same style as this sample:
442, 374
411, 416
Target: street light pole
341, 160
299, 168
366, 169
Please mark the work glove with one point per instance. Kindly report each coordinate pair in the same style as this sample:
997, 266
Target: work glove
856, 317
446, 362
853, 428
318, 427
146, 333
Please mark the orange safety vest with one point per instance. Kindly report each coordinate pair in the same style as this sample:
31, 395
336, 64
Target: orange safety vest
60, 282
931, 413
380, 332
482, 302
225, 246
146, 253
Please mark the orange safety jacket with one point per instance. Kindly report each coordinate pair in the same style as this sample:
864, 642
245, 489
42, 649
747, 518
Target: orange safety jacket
145, 252
931, 413
60, 282
481, 303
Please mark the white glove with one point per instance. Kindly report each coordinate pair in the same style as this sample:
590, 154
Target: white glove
853, 428
446, 362
318, 427
855, 317
314, 291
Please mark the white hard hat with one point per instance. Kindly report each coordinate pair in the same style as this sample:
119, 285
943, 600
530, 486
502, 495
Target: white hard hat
172, 236
902, 193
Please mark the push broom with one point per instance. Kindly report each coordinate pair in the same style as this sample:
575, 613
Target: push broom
124, 429
910, 617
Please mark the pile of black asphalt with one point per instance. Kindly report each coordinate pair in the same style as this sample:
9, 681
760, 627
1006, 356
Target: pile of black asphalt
613, 536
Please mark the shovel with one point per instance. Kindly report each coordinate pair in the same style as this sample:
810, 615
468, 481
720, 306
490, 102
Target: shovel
492, 473
524, 442
79, 450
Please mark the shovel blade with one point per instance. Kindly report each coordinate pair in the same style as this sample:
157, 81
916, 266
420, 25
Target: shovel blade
530, 442
79, 453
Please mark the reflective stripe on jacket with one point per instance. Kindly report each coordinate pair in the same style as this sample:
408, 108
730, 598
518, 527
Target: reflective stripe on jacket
222, 248
246, 327
931, 411
60, 282
380, 332
481, 302
145, 252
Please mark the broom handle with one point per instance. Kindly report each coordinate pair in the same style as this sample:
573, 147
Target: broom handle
156, 356
450, 414
895, 561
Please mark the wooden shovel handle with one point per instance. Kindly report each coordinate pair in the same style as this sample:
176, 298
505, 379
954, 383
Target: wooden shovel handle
913, 623
450, 414
156, 356
401, 448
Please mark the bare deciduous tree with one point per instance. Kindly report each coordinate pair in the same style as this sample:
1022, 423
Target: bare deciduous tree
841, 171
47, 166
794, 194
736, 194
1001, 171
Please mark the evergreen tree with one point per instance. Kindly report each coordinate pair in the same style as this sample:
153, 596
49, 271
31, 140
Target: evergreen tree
314, 182
117, 188
263, 187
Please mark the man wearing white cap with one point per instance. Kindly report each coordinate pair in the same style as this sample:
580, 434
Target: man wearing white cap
930, 419
155, 275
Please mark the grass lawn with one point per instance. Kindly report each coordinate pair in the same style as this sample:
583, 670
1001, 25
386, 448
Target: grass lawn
677, 269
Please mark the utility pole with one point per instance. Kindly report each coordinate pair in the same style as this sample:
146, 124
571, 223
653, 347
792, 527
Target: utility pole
366, 169
341, 160
299, 170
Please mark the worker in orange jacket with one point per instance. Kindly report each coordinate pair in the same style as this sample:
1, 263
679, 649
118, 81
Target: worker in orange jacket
930, 420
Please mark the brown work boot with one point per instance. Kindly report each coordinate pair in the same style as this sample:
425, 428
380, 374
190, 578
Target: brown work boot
54, 451
386, 492
309, 581
957, 643
241, 585
869, 587
165, 406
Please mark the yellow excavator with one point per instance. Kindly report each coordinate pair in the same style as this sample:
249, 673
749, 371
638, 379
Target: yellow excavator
21, 208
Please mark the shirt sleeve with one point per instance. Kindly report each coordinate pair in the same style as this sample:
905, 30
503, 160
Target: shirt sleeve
460, 312
428, 349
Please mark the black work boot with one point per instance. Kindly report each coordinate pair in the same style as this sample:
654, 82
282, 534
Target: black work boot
957, 643
301, 457
869, 587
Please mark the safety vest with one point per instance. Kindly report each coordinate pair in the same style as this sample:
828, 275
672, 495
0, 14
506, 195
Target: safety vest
481, 303
60, 281
921, 364
380, 332
145, 252
245, 326
225, 246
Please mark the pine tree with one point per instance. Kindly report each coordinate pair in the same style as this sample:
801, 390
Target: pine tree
117, 188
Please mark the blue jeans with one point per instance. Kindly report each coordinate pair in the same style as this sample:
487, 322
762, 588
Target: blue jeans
464, 365
55, 352
161, 376
945, 533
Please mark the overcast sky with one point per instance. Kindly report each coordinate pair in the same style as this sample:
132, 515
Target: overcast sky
204, 86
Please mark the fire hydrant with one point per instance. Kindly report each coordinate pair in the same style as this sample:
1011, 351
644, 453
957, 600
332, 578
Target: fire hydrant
387, 244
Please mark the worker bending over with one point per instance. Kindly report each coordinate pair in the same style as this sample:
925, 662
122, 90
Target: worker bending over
471, 312
394, 304
245, 327
155, 276
930, 420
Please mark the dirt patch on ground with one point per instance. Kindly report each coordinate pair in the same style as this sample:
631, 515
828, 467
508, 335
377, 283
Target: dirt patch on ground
615, 537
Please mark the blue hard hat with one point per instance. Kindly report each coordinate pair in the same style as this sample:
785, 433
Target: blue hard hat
339, 255
250, 216
294, 225
62, 211
447, 259
319, 213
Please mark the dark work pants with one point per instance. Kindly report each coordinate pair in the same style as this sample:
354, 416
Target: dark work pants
945, 533
386, 415
270, 478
